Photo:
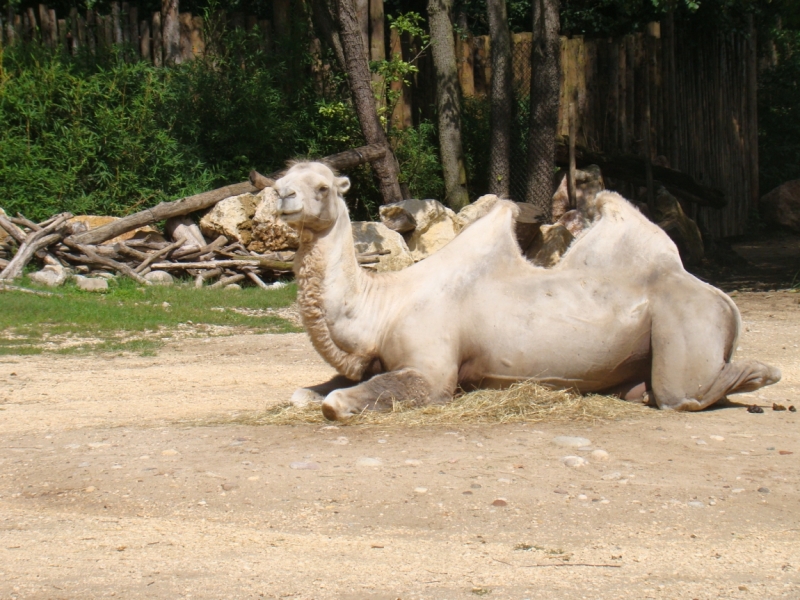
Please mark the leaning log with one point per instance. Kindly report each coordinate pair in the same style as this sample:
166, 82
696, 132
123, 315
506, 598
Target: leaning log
190, 204
632, 168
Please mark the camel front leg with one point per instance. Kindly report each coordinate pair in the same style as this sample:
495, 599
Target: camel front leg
380, 393
315, 394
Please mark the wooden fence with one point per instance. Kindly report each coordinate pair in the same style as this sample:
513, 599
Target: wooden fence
695, 95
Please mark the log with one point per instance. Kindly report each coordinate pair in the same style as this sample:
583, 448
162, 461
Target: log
12, 230
108, 262
632, 168
257, 280
25, 254
338, 162
202, 277
227, 281
192, 252
156, 255
190, 204
264, 263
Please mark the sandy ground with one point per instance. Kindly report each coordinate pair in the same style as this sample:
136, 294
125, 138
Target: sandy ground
115, 482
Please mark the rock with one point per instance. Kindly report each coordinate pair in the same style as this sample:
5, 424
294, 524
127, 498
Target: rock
376, 237
574, 461
436, 225
696, 504
588, 183
169, 452
550, 245
615, 476
600, 455
369, 462
413, 462
717, 438
183, 227
397, 218
304, 466
500, 502
475, 210
50, 275
763, 490
91, 284
270, 234
3, 233
573, 221
232, 286
781, 206
159, 278
147, 233
680, 228
570, 441
755, 409
104, 275
421, 490
231, 217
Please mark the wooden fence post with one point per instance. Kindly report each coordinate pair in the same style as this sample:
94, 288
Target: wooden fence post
185, 20
170, 32
377, 47
144, 41
158, 41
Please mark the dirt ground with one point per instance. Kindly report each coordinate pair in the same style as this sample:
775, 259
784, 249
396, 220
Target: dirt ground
127, 476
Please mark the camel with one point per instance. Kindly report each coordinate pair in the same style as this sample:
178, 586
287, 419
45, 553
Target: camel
618, 314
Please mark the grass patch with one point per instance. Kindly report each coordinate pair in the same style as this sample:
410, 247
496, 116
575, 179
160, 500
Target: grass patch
130, 318
525, 402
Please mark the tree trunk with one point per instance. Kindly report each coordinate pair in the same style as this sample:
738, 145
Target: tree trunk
355, 54
501, 98
545, 67
324, 22
171, 32
448, 103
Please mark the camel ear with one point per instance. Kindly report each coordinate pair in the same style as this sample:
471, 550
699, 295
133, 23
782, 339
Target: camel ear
342, 184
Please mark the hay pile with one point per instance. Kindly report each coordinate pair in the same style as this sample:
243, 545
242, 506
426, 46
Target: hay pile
523, 402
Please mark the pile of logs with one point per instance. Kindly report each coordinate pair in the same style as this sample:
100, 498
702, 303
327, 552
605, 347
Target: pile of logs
59, 241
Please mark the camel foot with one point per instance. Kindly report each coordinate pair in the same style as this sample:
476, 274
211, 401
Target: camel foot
315, 394
378, 393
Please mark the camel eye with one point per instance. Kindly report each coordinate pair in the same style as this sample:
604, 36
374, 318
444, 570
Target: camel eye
323, 189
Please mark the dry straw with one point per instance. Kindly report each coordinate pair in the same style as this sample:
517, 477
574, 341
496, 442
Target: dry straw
522, 402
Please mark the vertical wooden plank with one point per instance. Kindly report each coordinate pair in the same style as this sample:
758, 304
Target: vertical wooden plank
362, 11
116, 23
198, 39
563, 88
520, 62
16, 31
133, 32
62, 34
377, 48
108, 31
91, 31
630, 91
32, 29
46, 27
752, 103
170, 32
186, 25
265, 28
74, 42
281, 10
158, 40
144, 41
123, 16
466, 63
482, 72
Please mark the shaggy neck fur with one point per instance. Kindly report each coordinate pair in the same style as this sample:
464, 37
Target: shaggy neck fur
328, 276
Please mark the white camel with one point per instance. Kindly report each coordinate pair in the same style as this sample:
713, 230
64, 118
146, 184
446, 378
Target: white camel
617, 314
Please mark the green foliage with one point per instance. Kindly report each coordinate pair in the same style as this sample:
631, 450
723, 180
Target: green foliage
418, 154
129, 317
779, 115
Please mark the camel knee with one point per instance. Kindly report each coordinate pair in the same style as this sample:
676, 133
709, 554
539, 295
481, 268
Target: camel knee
335, 406
302, 397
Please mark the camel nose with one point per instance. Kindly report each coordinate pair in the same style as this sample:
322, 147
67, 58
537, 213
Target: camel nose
289, 204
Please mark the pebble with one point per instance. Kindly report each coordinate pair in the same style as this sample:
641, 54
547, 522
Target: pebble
420, 490
500, 502
600, 455
701, 443
717, 438
737, 490
785, 452
755, 408
504, 480
574, 461
763, 490
84, 464
467, 493
612, 476
571, 441
368, 462
413, 462
253, 478
170, 452
90, 489
475, 486
583, 497
381, 441
340, 441
696, 504
304, 466
229, 486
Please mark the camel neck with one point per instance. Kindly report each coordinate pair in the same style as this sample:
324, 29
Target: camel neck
330, 285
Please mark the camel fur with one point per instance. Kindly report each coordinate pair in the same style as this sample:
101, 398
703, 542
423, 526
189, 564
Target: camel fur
618, 314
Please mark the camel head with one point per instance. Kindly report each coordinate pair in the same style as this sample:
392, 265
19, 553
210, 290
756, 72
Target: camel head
310, 196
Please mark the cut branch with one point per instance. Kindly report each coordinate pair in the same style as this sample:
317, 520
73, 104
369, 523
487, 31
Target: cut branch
102, 260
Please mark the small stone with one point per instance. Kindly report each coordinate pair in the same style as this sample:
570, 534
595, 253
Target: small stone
90, 489
604, 501
253, 478
763, 490
467, 493
776, 406
583, 497
737, 490
792, 408
232, 286
696, 504
229, 486
574, 461
771, 448
742, 588
340, 441
159, 278
500, 502
785, 452
421, 490
475, 486
504, 480
612, 476
600, 455
558, 491
755, 409
369, 462
381, 441
91, 284
717, 438
304, 466
571, 441
170, 452
701, 443
413, 462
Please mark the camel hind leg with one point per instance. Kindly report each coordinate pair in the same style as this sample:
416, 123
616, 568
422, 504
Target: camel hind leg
694, 331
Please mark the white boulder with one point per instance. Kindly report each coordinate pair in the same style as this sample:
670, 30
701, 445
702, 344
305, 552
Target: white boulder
231, 217
159, 278
269, 233
91, 284
435, 226
372, 237
52, 275
184, 227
